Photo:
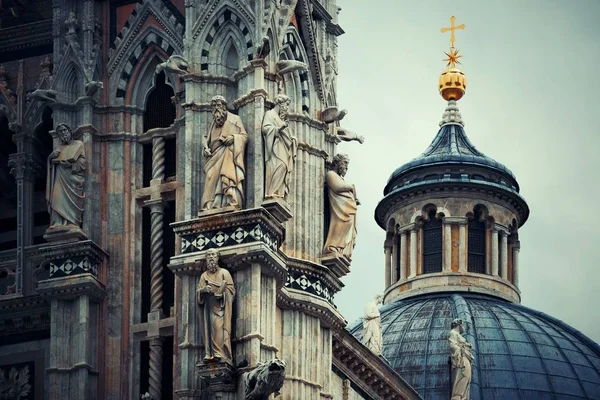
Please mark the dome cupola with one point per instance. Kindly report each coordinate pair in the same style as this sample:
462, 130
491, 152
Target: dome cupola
452, 214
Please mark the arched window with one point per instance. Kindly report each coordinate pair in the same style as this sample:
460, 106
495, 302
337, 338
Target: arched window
160, 110
476, 240
432, 244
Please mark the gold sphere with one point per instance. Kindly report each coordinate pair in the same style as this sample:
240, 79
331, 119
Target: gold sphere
452, 84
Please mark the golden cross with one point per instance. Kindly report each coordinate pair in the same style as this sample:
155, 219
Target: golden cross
452, 29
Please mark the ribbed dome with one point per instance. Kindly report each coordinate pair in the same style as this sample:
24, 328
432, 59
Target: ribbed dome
452, 146
520, 353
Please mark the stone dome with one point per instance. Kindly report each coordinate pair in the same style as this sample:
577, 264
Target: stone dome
519, 353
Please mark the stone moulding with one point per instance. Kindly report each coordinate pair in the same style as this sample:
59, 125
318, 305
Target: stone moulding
361, 365
311, 305
453, 282
312, 278
74, 258
229, 229
401, 197
235, 258
74, 270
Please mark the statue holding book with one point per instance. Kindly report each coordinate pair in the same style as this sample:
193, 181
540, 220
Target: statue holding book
215, 299
66, 176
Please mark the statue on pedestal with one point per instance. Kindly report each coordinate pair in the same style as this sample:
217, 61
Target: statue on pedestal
224, 146
280, 149
215, 299
372, 337
343, 204
66, 176
461, 359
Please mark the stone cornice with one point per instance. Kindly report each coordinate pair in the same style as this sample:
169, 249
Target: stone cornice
311, 305
453, 282
401, 197
315, 123
369, 371
70, 287
208, 78
26, 36
316, 270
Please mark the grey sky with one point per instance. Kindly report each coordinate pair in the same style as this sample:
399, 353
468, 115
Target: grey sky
531, 104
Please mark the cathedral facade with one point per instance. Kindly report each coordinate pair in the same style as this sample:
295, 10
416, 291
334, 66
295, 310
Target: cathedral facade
175, 222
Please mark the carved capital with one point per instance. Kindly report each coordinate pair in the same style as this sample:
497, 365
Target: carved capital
24, 166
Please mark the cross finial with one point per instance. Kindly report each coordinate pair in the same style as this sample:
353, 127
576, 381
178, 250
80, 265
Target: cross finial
452, 29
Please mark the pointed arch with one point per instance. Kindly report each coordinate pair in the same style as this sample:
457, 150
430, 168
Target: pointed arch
71, 83
225, 22
151, 40
159, 111
293, 49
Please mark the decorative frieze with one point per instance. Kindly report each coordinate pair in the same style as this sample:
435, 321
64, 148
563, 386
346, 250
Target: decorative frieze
229, 229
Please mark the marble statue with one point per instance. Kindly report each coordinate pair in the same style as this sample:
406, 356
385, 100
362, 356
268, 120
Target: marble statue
224, 146
461, 359
66, 176
265, 379
280, 149
343, 203
372, 337
215, 299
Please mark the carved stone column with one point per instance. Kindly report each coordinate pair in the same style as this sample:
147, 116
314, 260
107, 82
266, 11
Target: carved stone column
504, 254
395, 258
388, 262
447, 259
157, 208
23, 167
413, 252
516, 248
403, 253
494, 251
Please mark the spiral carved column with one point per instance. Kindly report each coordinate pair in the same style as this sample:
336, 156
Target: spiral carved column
157, 208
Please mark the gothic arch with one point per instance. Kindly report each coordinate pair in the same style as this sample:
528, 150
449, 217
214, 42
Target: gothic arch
225, 23
226, 54
293, 49
71, 83
137, 53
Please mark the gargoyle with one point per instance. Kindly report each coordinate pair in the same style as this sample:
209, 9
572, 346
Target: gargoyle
265, 379
175, 64
289, 66
332, 114
45, 95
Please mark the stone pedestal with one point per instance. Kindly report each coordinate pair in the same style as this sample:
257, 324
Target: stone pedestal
338, 264
74, 290
248, 242
279, 208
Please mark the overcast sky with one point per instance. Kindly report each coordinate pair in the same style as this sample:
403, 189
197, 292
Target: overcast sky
531, 103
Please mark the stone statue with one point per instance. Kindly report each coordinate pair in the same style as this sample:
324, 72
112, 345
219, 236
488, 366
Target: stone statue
342, 208
215, 298
280, 149
372, 337
265, 379
66, 176
224, 146
461, 358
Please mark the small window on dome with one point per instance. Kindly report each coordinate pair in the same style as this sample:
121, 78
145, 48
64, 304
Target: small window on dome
432, 244
476, 247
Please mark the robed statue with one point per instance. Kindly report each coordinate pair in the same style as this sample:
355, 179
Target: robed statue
215, 299
343, 203
224, 146
461, 358
280, 149
372, 335
66, 176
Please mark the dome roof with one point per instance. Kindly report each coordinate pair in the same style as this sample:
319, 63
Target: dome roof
452, 146
519, 353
